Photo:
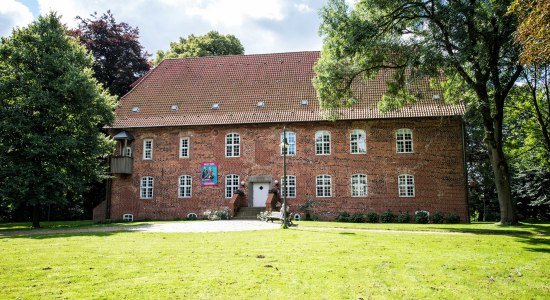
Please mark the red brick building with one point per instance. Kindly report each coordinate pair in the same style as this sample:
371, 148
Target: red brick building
193, 130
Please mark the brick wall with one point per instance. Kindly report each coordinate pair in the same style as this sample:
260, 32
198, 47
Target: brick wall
437, 166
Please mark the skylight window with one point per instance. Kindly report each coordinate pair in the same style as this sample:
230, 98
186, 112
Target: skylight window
174, 108
260, 104
304, 102
216, 106
135, 109
436, 97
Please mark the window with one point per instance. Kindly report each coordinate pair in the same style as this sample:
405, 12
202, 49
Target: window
232, 145
290, 190
322, 143
404, 140
148, 149
231, 184
146, 187
127, 151
359, 185
324, 186
184, 190
358, 141
406, 185
184, 147
291, 142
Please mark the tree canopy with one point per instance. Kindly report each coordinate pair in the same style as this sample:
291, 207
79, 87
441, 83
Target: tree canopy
119, 59
50, 109
533, 32
210, 44
471, 42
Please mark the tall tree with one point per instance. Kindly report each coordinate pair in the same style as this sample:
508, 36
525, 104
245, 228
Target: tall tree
50, 108
119, 59
471, 41
533, 32
210, 44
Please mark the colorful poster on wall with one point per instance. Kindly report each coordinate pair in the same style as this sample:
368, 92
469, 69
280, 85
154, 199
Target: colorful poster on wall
209, 174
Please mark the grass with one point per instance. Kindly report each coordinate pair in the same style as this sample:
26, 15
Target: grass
307, 262
24, 226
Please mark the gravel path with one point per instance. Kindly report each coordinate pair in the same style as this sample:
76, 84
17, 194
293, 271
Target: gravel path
204, 226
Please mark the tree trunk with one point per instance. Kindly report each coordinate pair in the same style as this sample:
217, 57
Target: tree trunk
502, 184
36, 216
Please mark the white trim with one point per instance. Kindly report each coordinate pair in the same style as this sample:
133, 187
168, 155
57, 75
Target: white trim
405, 185
288, 185
182, 187
233, 145
404, 140
323, 185
289, 144
323, 133
145, 149
360, 132
146, 187
188, 146
234, 185
365, 184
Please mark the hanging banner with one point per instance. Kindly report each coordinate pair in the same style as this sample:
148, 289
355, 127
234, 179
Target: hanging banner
209, 174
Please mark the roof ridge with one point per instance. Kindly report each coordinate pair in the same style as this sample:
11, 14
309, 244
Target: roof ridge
240, 55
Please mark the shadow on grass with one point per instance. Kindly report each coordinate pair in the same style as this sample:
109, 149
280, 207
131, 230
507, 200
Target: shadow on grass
40, 234
517, 230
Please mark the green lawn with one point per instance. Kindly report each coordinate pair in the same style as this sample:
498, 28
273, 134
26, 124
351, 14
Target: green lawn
27, 226
307, 263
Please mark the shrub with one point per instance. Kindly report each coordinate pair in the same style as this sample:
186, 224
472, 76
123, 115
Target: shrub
453, 218
357, 218
437, 217
220, 214
387, 217
343, 217
372, 217
403, 217
421, 217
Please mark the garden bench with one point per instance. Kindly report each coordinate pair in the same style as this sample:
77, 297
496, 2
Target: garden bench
276, 216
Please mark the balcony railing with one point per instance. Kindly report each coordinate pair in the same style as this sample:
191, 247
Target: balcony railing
121, 165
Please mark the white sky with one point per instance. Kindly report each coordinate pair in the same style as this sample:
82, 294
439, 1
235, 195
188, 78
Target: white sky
263, 26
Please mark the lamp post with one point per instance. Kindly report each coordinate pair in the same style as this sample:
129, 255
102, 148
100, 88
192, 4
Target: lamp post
284, 147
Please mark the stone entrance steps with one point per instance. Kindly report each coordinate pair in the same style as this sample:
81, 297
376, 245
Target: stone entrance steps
248, 213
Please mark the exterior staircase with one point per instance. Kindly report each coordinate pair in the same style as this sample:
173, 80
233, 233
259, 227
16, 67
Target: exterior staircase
248, 213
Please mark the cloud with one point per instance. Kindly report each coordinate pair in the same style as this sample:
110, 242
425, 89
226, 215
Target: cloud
262, 26
13, 14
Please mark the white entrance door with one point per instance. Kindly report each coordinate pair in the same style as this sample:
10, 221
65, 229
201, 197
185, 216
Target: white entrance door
259, 193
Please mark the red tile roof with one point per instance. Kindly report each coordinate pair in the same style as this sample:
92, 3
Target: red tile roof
238, 83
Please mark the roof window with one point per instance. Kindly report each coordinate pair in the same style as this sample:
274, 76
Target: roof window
304, 102
260, 104
216, 106
135, 109
436, 97
174, 108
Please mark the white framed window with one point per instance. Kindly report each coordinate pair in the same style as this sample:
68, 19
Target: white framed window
358, 141
148, 149
184, 147
322, 143
290, 190
231, 185
359, 185
406, 185
184, 186
127, 151
291, 142
146, 187
404, 140
232, 145
324, 186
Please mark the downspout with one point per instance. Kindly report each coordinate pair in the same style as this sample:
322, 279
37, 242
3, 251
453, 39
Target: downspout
108, 189
464, 167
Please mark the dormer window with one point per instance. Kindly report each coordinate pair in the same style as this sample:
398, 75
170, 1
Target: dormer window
216, 106
135, 109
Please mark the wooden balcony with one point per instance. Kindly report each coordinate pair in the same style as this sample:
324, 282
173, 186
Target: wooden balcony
121, 165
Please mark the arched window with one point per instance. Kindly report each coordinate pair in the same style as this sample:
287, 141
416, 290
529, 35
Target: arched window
404, 140
146, 187
290, 186
322, 143
324, 186
232, 145
231, 184
359, 185
406, 185
291, 142
358, 141
184, 186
